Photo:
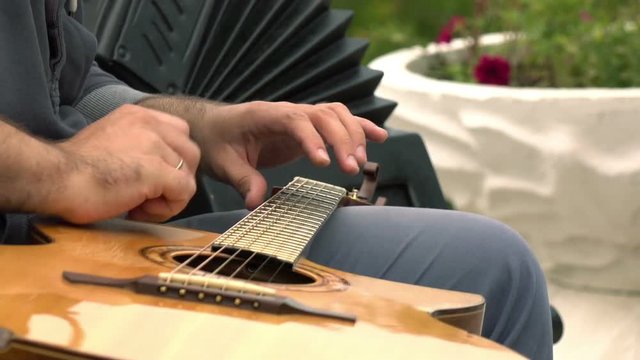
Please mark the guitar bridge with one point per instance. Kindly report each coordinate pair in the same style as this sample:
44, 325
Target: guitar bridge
216, 283
257, 301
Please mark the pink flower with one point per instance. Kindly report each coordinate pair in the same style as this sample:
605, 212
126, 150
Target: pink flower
494, 70
585, 16
446, 33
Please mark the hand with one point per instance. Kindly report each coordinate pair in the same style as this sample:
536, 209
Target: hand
238, 139
127, 161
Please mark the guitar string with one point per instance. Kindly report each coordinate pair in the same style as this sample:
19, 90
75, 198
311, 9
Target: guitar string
281, 266
214, 241
276, 203
272, 225
298, 206
245, 227
256, 237
323, 216
248, 229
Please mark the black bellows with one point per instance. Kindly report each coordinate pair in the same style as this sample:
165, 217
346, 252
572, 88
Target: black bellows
237, 50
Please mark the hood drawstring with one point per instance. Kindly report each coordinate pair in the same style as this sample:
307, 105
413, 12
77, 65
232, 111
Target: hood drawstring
73, 6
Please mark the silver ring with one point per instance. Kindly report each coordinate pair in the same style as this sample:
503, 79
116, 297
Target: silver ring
180, 164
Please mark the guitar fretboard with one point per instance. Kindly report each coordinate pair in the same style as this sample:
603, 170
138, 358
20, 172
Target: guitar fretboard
283, 225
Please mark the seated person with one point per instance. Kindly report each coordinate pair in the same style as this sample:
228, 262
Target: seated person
66, 129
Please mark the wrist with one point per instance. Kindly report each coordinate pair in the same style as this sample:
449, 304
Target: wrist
30, 178
54, 181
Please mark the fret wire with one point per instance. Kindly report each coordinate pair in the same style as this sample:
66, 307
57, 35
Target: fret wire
319, 200
312, 218
261, 228
273, 234
306, 209
279, 249
248, 241
267, 208
327, 202
320, 196
310, 212
291, 216
213, 273
212, 256
288, 215
291, 229
312, 184
296, 256
326, 190
270, 245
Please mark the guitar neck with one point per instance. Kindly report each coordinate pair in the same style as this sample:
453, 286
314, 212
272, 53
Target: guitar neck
283, 225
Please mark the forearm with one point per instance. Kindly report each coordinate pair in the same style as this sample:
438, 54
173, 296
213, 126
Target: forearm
122, 163
195, 111
192, 109
31, 171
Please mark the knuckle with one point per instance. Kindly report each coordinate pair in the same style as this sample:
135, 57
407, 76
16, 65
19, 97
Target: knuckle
182, 125
254, 108
296, 115
197, 153
325, 113
192, 188
243, 183
187, 189
337, 106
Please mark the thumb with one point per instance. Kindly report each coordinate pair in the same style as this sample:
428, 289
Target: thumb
249, 182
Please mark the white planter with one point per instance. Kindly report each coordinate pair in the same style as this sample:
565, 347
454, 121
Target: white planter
561, 166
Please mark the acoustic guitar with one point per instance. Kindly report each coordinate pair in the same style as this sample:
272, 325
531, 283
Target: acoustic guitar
128, 290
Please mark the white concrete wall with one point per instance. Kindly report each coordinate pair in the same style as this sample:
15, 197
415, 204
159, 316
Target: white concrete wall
560, 166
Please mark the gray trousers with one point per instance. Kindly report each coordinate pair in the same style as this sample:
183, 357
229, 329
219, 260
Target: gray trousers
441, 249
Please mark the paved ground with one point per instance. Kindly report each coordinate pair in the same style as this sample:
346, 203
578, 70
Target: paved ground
597, 325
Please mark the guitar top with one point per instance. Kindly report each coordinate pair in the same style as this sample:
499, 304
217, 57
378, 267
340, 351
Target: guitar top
44, 311
128, 290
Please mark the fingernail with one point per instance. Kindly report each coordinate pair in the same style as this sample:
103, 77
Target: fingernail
361, 153
353, 162
323, 154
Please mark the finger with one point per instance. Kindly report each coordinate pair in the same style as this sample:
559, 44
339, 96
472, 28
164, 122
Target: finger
310, 140
245, 178
170, 130
185, 149
333, 131
168, 194
372, 131
351, 123
155, 210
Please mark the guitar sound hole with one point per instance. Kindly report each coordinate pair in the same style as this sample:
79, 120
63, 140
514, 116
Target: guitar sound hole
245, 265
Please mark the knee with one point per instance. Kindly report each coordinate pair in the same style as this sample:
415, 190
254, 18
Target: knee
496, 257
517, 304
503, 249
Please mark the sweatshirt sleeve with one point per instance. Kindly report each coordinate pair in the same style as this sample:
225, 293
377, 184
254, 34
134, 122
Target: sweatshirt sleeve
103, 93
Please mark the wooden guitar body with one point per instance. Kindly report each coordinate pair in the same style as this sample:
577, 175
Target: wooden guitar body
52, 317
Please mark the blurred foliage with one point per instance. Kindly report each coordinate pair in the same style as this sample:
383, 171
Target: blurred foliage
393, 24
565, 43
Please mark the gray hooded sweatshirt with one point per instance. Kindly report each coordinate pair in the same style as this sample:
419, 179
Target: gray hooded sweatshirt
49, 83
